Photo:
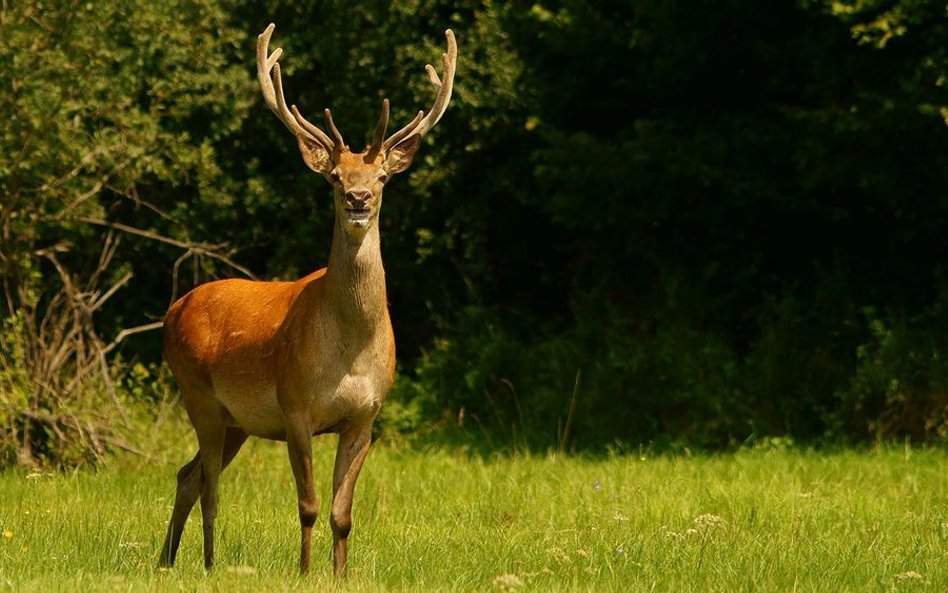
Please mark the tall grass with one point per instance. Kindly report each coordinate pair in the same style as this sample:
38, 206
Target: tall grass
761, 520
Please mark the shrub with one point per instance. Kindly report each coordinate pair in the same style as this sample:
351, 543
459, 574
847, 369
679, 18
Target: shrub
900, 387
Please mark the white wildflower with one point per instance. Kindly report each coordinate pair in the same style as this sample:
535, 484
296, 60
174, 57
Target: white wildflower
910, 575
559, 555
709, 521
130, 544
507, 582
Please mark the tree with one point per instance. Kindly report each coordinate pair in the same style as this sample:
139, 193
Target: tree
110, 110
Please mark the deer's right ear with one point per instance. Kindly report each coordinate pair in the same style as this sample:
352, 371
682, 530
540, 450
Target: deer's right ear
315, 155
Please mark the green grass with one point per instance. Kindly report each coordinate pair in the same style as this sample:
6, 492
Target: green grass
763, 520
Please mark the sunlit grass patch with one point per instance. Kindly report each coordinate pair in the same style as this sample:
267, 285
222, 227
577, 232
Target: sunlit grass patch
776, 520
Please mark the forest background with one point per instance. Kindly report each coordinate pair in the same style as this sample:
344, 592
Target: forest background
640, 223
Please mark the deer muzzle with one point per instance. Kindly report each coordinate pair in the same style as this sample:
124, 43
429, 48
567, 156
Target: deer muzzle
357, 210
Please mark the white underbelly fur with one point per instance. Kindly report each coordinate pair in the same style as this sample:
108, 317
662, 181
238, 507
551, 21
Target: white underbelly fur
256, 410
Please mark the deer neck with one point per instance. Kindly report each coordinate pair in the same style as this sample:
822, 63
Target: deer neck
355, 279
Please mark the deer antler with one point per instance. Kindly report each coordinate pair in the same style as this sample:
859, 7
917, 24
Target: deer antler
379, 135
273, 95
422, 123
271, 83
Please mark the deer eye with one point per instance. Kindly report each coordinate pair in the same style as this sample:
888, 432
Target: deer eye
334, 175
383, 177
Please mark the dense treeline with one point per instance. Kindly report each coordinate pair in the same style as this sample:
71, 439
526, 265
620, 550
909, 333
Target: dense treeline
639, 221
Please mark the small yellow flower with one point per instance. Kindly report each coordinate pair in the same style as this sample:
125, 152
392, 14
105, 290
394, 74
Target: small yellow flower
8, 534
26, 548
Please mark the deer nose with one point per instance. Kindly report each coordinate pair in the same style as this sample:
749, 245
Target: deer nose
357, 197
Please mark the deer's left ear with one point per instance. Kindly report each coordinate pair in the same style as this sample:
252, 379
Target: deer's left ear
399, 157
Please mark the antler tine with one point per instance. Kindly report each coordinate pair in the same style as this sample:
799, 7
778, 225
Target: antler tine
312, 129
332, 128
272, 88
433, 76
444, 85
450, 60
379, 136
404, 132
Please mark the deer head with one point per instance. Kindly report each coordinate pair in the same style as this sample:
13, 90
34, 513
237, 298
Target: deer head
357, 178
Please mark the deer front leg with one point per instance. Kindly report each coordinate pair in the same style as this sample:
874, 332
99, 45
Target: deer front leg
299, 445
353, 448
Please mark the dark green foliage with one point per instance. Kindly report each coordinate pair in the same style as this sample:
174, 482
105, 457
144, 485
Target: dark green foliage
112, 113
695, 223
714, 196
900, 388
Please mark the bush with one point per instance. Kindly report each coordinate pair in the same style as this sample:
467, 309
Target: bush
604, 379
900, 387
110, 110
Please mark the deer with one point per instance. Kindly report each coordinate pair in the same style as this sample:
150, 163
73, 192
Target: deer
289, 360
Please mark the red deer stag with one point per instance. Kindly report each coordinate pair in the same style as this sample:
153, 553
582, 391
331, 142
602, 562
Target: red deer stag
289, 360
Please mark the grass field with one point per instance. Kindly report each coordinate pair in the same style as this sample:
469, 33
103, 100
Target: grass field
760, 520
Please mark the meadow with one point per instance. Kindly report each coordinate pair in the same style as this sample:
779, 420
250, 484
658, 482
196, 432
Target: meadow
767, 519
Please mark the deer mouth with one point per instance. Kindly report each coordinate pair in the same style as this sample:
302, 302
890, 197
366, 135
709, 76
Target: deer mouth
358, 216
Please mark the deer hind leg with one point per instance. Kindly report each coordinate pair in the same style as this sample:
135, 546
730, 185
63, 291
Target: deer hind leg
189, 488
211, 433
350, 455
190, 478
